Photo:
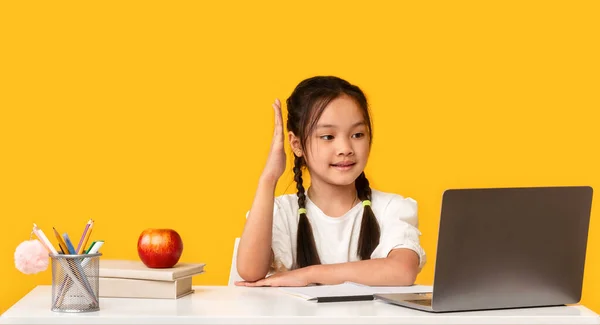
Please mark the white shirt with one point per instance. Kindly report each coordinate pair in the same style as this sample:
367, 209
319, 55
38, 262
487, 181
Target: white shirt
336, 238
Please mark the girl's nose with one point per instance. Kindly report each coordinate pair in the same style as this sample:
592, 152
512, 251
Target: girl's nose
345, 148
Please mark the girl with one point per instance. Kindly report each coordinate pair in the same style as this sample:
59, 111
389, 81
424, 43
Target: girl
339, 229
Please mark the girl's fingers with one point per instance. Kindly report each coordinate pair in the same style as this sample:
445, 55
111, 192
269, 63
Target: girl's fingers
261, 283
277, 108
278, 132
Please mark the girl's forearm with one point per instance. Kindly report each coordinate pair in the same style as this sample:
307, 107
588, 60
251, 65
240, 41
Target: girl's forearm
254, 249
379, 271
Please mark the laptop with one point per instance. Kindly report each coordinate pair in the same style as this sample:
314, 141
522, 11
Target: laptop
507, 248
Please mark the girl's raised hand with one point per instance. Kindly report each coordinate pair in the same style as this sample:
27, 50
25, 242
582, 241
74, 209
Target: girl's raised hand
276, 161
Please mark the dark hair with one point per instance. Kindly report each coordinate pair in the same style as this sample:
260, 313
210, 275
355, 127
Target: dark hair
305, 106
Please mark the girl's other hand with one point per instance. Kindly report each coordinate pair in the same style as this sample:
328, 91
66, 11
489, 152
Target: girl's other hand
294, 278
276, 161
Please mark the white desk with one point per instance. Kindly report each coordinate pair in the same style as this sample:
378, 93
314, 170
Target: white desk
240, 305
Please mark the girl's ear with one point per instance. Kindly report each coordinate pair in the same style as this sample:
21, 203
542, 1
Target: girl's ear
295, 144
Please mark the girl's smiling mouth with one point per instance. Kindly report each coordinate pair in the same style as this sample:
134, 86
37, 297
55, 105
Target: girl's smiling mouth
344, 165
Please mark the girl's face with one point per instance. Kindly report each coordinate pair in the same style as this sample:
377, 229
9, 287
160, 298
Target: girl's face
338, 148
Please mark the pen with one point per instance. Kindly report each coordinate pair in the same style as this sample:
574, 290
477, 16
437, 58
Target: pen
81, 245
345, 298
44, 240
87, 251
69, 244
93, 250
86, 236
96, 246
61, 243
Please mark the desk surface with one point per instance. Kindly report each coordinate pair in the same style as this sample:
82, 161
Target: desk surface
241, 305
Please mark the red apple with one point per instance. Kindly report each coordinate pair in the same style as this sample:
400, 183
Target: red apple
159, 248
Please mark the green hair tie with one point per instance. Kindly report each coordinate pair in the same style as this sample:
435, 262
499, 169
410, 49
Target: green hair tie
366, 202
301, 211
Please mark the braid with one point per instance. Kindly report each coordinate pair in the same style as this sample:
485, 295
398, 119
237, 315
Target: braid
306, 250
298, 180
369, 228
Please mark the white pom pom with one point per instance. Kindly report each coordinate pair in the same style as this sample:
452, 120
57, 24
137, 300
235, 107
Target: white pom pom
31, 257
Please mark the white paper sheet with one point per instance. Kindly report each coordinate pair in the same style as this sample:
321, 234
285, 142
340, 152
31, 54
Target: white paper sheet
350, 289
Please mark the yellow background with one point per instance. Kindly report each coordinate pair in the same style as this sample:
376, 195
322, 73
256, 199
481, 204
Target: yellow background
159, 114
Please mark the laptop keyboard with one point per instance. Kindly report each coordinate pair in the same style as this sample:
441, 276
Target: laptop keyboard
425, 295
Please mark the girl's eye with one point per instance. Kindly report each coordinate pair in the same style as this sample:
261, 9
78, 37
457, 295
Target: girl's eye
358, 135
326, 137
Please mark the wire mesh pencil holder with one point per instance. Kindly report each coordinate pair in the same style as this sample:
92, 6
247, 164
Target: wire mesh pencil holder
75, 282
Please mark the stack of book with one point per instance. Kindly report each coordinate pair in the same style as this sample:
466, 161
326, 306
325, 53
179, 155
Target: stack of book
133, 279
